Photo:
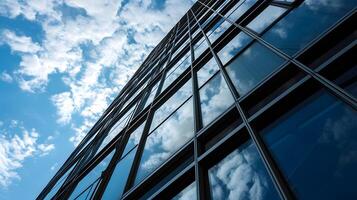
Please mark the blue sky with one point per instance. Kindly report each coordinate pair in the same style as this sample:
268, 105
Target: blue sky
61, 64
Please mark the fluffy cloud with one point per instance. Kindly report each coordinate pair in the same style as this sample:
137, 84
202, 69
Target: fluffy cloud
15, 149
4, 76
95, 50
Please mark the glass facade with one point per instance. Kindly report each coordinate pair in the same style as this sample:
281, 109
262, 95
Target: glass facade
242, 99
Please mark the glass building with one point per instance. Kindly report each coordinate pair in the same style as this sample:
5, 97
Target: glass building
243, 99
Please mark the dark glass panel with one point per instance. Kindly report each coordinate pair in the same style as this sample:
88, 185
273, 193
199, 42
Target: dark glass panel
91, 178
241, 175
304, 23
189, 193
134, 139
58, 184
171, 104
252, 66
266, 18
233, 47
315, 145
207, 71
115, 187
166, 140
215, 98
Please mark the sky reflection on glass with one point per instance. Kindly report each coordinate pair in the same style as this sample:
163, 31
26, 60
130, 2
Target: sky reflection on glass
239, 9
177, 70
171, 104
253, 65
215, 98
265, 18
189, 193
241, 175
233, 47
207, 71
304, 23
176, 131
315, 144
134, 138
117, 182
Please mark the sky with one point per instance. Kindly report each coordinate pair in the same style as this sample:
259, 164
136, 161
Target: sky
61, 64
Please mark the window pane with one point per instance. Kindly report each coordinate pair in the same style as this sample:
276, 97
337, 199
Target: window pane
92, 177
253, 65
171, 104
239, 9
134, 139
207, 71
233, 47
215, 98
152, 94
166, 140
188, 193
200, 47
117, 182
303, 24
264, 19
217, 30
177, 70
315, 145
59, 183
241, 175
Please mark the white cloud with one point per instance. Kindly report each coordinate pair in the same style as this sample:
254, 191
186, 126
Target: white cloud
15, 149
4, 76
18, 43
95, 53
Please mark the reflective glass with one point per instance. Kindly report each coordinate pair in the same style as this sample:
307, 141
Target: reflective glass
304, 23
171, 104
92, 177
252, 66
189, 193
115, 187
217, 30
239, 9
315, 145
241, 175
207, 71
115, 130
233, 47
177, 70
266, 18
176, 131
200, 47
134, 139
215, 98
152, 94
59, 183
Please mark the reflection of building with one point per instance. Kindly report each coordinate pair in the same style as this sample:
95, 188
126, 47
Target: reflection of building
241, 100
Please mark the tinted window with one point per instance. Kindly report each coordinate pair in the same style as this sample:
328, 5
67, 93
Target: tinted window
215, 98
253, 65
266, 18
188, 193
315, 145
303, 24
241, 175
166, 140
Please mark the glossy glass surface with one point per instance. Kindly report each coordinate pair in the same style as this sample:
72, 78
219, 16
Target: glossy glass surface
152, 94
252, 66
217, 30
304, 23
315, 145
200, 47
115, 130
241, 175
58, 185
91, 178
171, 104
207, 71
134, 139
177, 70
239, 9
266, 18
233, 47
215, 98
115, 187
189, 193
166, 140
